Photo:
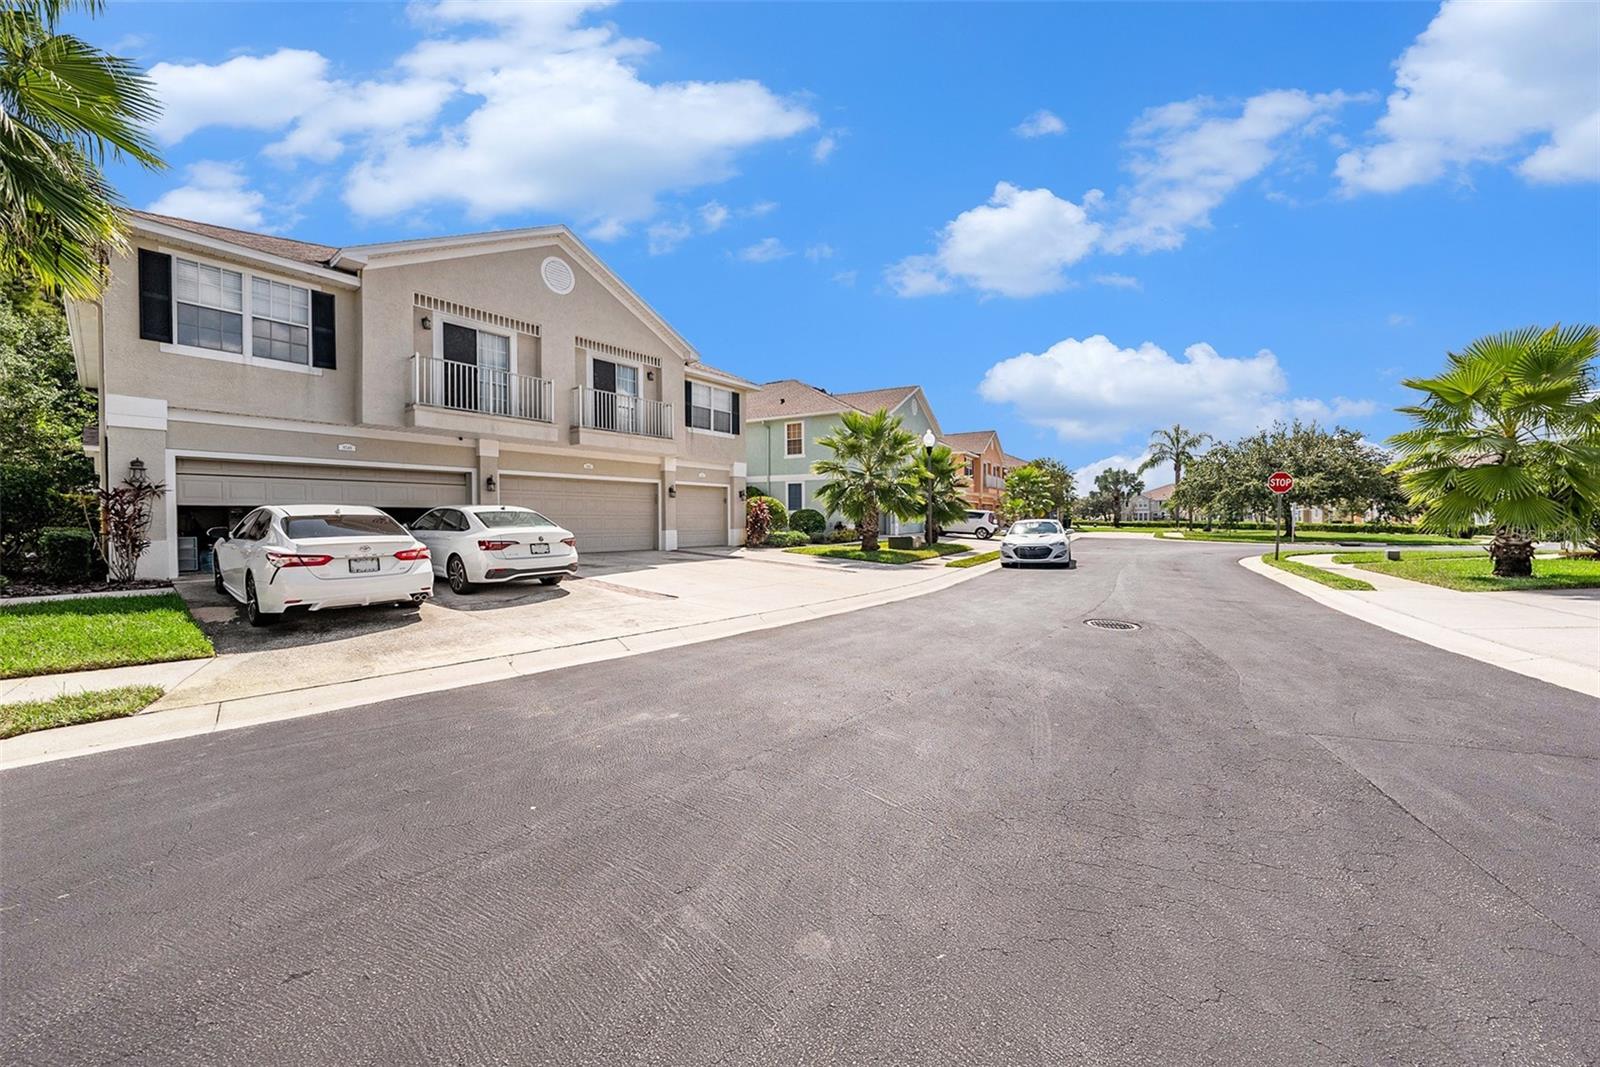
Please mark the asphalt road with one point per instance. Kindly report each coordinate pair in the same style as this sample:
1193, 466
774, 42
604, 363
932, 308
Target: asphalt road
959, 829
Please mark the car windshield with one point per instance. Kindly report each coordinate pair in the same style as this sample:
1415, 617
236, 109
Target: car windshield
307, 527
1036, 526
504, 517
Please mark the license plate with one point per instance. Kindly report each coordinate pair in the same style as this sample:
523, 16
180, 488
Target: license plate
363, 566
539, 550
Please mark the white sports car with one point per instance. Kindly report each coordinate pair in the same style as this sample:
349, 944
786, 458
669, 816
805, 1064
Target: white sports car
483, 543
1042, 541
316, 556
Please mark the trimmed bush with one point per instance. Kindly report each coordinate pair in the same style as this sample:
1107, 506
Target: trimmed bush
788, 538
67, 554
780, 514
808, 520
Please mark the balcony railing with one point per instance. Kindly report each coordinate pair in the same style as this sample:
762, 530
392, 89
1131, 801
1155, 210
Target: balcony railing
444, 383
595, 409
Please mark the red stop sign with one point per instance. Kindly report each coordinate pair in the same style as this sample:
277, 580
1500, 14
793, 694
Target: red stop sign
1280, 482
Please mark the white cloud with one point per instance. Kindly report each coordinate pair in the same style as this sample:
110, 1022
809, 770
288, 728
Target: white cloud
1395, 318
1189, 156
824, 148
1042, 123
845, 277
1084, 476
217, 193
1093, 390
818, 252
713, 215
250, 92
665, 236
1118, 281
1489, 83
759, 209
763, 251
1015, 245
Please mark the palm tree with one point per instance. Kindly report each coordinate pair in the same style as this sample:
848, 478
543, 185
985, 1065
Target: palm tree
937, 477
65, 107
1510, 430
1119, 486
1029, 493
870, 474
1059, 476
1176, 446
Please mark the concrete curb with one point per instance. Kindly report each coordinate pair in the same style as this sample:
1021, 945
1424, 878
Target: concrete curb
1545, 668
51, 598
172, 723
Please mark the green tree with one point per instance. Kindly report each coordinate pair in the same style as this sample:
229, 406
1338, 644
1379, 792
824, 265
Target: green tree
1176, 446
65, 108
1119, 488
1028, 494
870, 472
935, 475
1510, 430
43, 412
1062, 489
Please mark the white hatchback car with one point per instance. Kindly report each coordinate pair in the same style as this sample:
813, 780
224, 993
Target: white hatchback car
314, 556
981, 524
495, 543
1030, 541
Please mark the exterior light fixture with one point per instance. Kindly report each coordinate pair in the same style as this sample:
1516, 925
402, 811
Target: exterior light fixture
427, 322
672, 490
488, 483
136, 475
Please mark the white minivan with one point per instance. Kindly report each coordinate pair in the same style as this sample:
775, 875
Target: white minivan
981, 524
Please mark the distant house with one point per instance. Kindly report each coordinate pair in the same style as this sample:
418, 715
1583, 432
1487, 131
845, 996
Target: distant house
1149, 506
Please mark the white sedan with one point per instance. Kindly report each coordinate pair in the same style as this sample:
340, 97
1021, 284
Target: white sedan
1042, 541
484, 543
314, 556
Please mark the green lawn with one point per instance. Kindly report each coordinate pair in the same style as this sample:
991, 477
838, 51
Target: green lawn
882, 555
93, 632
1472, 572
1094, 527
973, 561
1316, 574
1313, 538
26, 716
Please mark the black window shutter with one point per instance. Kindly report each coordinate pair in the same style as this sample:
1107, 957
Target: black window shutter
322, 333
688, 404
735, 412
155, 296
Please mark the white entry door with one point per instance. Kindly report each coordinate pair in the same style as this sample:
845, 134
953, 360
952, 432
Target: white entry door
627, 398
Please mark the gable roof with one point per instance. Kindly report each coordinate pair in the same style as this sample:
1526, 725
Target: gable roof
870, 400
1014, 461
706, 370
971, 441
282, 247
1160, 492
790, 398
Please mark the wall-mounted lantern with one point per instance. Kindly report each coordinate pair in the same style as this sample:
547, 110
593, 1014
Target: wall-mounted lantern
427, 322
672, 490
488, 483
136, 471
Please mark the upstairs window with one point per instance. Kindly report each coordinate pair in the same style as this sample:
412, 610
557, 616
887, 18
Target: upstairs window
711, 408
794, 439
280, 321
210, 306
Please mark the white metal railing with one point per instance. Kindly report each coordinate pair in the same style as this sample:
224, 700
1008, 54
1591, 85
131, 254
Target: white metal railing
992, 482
595, 409
444, 383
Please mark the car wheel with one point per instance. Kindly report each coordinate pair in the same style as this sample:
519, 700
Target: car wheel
458, 576
551, 579
216, 575
252, 605
983, 534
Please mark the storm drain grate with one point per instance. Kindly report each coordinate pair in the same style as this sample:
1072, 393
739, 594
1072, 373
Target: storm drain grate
1110, 624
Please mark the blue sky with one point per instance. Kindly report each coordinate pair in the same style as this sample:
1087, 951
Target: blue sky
1069, 223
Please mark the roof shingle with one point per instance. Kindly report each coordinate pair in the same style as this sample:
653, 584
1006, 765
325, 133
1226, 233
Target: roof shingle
870, 400
282, 247
790, 397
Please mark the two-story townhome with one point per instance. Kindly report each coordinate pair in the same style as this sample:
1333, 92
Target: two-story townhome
984, 463
1148, 506
243, 369
786, 419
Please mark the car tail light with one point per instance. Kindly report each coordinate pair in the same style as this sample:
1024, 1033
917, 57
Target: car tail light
291, 559
495, 546
412, 553
570, 542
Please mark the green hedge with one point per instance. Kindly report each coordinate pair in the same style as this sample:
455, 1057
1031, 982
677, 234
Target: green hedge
808, 520
67, 554
788, 538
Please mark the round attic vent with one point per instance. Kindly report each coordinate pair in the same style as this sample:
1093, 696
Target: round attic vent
557, 275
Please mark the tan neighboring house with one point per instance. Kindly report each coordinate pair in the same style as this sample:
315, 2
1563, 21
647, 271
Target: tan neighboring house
243, 369
984, 463
1148, 506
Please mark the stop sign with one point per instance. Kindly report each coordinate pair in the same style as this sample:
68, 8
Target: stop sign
1280, 482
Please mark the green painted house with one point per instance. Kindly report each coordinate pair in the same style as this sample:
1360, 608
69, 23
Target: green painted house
784, 420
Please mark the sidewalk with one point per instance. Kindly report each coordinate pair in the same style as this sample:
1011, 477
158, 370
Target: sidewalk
1549, 634
626, 604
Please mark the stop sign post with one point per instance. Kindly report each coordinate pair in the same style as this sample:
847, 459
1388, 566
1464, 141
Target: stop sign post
1280, 482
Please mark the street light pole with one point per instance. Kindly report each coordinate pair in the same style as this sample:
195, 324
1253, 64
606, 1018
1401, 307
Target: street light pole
928, 441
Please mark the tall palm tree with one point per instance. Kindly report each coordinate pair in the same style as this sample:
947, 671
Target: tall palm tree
937, 478
1510, 430
1176, 446
1119, 487
65, 108
870, 473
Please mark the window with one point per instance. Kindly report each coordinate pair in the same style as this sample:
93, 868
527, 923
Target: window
797, 496
280, 321
210, 306
710, 408
512, 517
310, 527
452, 520
794, 439
430, 521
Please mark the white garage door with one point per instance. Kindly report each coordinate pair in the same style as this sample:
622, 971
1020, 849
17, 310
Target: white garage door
234, 483
605, 516
702, 515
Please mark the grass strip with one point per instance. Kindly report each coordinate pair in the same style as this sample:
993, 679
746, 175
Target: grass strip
26, 716
881, 555
973, 561
1474, 572
89, 633
1317, 574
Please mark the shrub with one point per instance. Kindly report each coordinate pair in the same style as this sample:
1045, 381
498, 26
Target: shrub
788, 538
780, 514
67, 554
808, 520
757, 520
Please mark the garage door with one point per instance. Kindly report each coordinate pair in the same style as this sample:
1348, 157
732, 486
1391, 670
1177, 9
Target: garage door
702, 516
231, 483
605, 516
